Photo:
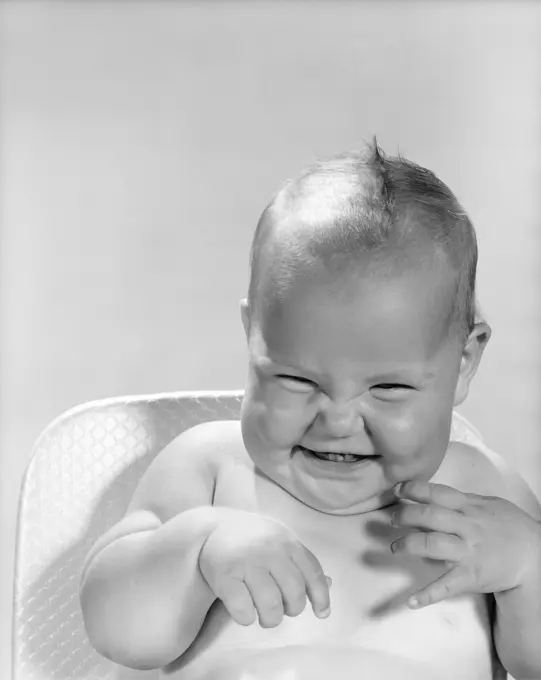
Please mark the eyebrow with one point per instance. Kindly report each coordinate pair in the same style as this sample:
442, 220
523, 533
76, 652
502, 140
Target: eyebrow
298, 367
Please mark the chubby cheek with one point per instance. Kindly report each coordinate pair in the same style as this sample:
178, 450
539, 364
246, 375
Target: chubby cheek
416, 443
273, 420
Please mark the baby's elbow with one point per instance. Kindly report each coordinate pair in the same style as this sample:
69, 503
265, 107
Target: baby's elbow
134, 645
129, 616
137, 655
122, 633
132, 655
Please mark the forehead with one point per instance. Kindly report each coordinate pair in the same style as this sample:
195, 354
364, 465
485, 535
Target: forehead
325, 318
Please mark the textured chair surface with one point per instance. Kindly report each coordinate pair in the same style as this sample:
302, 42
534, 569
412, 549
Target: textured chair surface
82, 473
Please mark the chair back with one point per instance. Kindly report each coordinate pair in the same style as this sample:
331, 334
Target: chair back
83, 471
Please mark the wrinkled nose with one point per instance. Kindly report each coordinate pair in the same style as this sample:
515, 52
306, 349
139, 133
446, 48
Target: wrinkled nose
340, 420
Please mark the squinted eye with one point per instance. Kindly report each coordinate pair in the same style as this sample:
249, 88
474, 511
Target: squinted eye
296, 383
391, 391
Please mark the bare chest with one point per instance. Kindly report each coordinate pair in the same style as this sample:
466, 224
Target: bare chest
370, 588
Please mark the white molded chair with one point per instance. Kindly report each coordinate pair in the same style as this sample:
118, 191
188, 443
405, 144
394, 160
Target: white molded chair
82, 473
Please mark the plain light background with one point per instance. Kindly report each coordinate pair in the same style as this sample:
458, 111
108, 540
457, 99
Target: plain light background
139, 142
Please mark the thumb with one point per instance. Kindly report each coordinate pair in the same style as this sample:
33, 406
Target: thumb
454, 582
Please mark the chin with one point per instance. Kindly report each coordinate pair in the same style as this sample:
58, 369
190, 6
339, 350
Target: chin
357, 506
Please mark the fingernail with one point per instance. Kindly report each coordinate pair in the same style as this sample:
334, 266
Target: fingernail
324, 613
393, 547
398, 488
413, 603
329, 581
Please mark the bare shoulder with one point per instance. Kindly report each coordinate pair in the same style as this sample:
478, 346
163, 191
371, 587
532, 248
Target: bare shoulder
183, 475
479, 470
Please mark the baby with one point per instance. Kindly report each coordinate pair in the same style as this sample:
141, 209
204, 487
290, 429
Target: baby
420, 557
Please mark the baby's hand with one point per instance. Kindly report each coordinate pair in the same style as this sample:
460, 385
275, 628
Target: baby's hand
253, 563
488, 542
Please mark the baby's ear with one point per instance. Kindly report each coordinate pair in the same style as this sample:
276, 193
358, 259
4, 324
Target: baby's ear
471, 358
244, 313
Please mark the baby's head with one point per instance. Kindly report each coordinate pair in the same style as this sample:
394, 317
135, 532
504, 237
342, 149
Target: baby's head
362, 330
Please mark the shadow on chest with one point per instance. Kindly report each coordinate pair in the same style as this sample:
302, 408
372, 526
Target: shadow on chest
370, 589
369, 581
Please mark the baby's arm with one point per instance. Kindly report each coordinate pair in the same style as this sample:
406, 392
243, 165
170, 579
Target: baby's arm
142, 594
517, 627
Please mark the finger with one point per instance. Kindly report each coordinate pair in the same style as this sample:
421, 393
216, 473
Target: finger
426, 492
454, 582
237, 600
429, 516
292, 586
266, 596
317, 585
431, 544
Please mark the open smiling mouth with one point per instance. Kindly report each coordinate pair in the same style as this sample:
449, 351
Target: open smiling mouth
334, 457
